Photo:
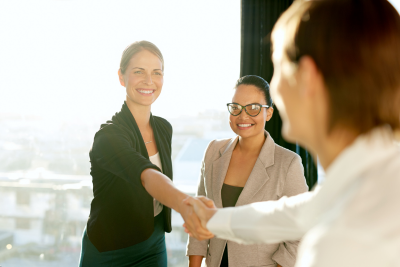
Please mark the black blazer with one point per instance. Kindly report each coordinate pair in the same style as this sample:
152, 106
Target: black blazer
122, 213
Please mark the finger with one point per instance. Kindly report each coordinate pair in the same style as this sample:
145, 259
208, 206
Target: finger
186, 200
195, 228
193, 223
196, 203
200, 231
208, 202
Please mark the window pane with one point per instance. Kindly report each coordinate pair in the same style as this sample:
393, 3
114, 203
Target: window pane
59, 62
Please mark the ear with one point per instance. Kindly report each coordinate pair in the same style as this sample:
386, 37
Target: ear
121, 78
270, 112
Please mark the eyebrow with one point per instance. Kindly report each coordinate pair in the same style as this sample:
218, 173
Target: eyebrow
247, 104
144, 69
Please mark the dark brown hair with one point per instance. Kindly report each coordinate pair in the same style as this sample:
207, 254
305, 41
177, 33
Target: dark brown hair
356, 46
258, 82
135, 48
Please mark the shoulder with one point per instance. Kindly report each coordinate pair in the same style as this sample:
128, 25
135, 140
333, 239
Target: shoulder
113, 134
213, 148
220, 143
284, 155
290, 171
111, 128
163, 123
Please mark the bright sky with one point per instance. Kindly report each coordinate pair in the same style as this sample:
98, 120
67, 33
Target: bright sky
60, 58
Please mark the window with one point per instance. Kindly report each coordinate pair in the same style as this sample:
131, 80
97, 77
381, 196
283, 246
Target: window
22, 223
59, 62
23, 198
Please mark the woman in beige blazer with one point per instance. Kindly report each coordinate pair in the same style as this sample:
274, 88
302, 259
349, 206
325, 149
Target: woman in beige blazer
246, 169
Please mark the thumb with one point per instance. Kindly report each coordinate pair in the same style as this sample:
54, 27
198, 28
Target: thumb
198, 206
208, 202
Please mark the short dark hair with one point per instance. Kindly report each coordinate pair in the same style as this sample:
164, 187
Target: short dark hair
356, 46
258, 82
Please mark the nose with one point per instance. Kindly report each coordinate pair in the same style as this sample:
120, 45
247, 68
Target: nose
243, 114
148, 80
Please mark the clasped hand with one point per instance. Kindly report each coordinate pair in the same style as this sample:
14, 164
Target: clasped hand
196, 212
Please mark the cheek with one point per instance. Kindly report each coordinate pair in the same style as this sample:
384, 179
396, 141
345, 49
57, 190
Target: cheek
231, 119
260, 119
160, 83
232, 122
133, 80
279, 94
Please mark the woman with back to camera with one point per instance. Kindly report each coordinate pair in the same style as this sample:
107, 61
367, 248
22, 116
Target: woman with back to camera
246, 169
336, 83
132, 172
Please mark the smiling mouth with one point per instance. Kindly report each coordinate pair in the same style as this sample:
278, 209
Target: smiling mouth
244, 125
146, 92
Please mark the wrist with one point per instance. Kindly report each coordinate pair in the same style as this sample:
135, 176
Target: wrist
210, 213
180, 205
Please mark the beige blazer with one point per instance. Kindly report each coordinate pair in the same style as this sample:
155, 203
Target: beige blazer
277, 172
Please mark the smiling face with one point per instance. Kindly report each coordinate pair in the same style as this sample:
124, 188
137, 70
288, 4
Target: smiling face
244, 125
301, 97
143, 78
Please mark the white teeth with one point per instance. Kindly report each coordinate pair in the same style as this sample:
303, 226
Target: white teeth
146, 91
244, 125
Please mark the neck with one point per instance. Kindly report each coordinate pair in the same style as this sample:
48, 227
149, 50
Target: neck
329, 147
140, 113
251, 144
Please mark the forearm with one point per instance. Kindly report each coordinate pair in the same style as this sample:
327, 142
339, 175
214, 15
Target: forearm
263, 222
195, 260
161, 188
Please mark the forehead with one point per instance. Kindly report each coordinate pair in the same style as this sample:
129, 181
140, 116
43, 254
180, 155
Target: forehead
278, 41
248, 94
145, 59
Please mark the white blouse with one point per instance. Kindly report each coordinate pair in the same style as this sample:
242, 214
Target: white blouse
353, 219
158, 207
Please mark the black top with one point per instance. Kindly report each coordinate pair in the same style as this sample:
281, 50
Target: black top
122, 213
229, 195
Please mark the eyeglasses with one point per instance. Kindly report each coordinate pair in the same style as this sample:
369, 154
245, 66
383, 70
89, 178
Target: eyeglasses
251, 109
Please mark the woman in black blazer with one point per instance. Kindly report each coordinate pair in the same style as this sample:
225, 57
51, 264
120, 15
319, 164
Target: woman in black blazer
132, 173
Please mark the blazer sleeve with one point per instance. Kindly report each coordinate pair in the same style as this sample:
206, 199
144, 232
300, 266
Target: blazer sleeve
114, 152
194, 246
295, 184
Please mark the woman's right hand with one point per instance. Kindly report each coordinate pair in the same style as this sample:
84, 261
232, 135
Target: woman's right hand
192, 221
203, 207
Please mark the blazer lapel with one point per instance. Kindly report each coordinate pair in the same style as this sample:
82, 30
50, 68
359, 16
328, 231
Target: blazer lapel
258, 176
219, 169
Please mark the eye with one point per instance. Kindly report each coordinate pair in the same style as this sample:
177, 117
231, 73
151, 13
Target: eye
255, 107
158, 73
138, 72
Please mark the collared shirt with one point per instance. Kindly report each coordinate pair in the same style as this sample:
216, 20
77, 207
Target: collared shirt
353, 219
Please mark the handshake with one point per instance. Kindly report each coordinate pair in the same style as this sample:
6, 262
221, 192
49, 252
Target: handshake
196, 212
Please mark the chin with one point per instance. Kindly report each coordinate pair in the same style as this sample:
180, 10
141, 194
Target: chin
147, 102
